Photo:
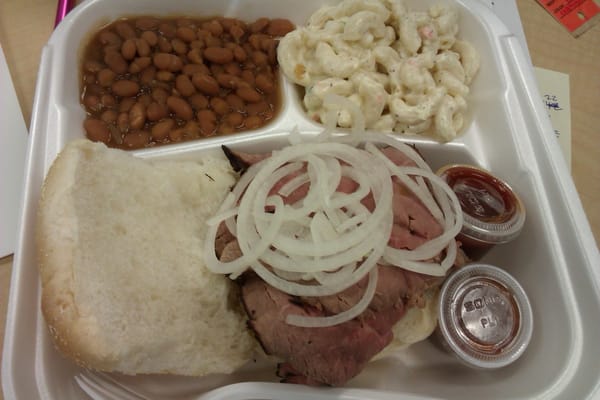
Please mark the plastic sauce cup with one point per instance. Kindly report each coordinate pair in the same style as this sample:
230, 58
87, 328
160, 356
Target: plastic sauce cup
493, 213
485, 317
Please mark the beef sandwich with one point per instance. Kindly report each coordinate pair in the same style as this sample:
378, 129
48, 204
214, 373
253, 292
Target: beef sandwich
327, 255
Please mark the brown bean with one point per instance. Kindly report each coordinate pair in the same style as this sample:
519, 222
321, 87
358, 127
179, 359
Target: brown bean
197, 44
148, 75
161, 85
255, 40
139, 64
125, 30
248, 77
123, 122
137, 116
280, 27
109, 38
165, 76
207, 121
191, 69
237, 32
150, 38
92, 66
198, 101
195, 56
186, 34
214, 27
146, 23
116, 62
216, 69
106, 77
167, 61
248, 94
206, 84
191, 130
176, 135
126, 104
219, 105
179, 47
233, 69
259, 58
227, 23
94, 89
228, 81
184, 85
203, 34
145, 99
162, 128
128, 49
219, 55
156, 111
267, 115
167, 30
96, 130
235, 102
107, 100
259, 25
264, 83
253, 122
164, 45
270, 47
225, 129
160, 95
257, 108
136, 139
109, 116
212, 41
240, 54
142, 47
234, 119
247, 47
180, 107
89, 77
115, 134
92, 102
249, 65
125, 88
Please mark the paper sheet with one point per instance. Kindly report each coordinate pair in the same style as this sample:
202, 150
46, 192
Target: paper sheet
554, 89
13, 144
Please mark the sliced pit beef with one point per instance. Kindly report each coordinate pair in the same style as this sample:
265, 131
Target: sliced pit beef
240, 161
330, 355
333, 355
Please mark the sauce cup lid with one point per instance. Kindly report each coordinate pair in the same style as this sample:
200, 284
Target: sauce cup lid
485, 317
492, 211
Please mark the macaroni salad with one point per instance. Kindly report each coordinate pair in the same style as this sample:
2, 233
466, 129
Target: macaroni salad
405, 70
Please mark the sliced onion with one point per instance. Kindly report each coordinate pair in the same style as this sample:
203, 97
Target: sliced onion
328, 240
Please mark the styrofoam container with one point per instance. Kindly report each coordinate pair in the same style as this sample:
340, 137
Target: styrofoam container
555, 259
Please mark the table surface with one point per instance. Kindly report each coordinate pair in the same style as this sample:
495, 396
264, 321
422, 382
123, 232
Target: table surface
25, 26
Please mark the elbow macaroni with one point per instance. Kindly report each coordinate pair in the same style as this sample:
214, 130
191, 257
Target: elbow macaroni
405, 70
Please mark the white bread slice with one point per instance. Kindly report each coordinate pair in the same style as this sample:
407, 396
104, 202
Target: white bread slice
416, 325
124, 287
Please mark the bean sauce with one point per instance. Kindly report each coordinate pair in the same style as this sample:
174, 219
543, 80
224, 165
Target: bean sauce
150, 81
493, 213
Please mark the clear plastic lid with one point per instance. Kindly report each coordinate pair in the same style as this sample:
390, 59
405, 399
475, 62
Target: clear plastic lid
485, 317
492, 211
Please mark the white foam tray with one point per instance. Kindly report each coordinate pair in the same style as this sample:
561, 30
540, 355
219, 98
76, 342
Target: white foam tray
555, 259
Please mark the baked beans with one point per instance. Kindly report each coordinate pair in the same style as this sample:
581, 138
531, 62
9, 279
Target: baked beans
150, 81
